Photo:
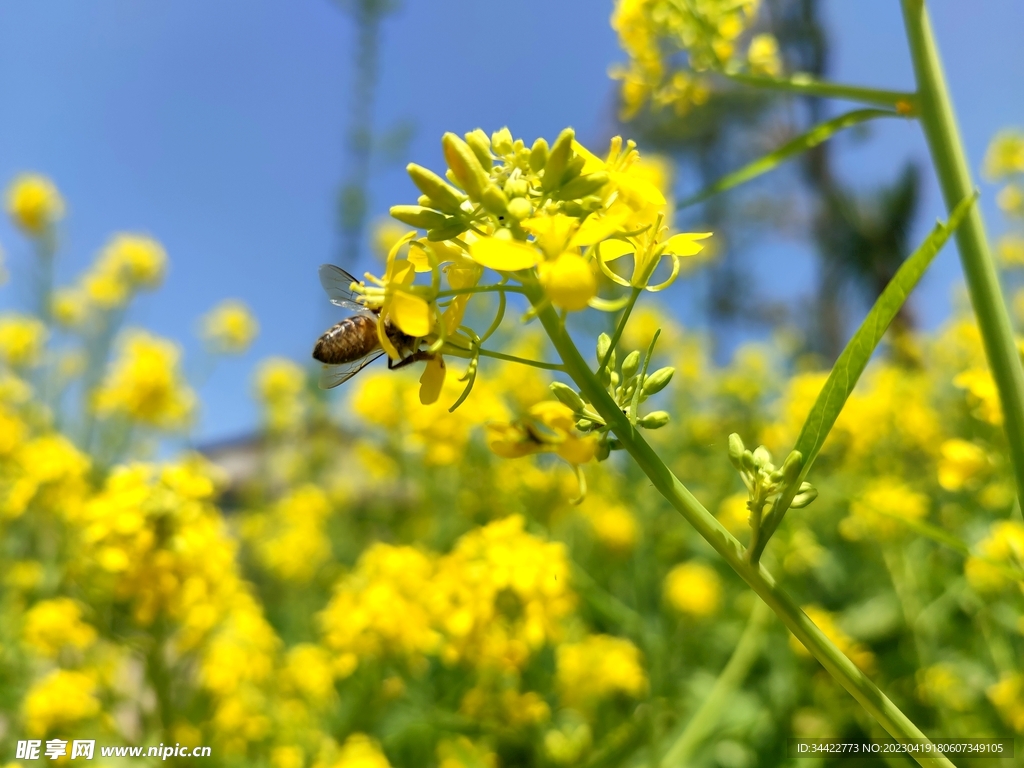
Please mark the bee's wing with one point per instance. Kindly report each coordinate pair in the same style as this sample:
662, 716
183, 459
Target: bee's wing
338, 284
333, 375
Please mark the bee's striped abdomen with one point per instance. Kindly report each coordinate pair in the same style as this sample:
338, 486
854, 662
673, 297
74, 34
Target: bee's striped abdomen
352, 338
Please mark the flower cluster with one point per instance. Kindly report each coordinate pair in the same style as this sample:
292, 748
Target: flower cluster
550, 218
672, 47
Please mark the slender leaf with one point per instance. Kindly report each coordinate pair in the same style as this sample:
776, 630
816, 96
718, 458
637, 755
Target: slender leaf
854, 359
812, 138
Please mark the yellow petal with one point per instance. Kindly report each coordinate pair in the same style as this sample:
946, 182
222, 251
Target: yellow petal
402, 273
596, 228
393, 253
432, 380
509, 441
504, 255
591, 162
554, 415
613, 249
552, 232
684, 243
411, 314
419, 258
578, 450
637, 192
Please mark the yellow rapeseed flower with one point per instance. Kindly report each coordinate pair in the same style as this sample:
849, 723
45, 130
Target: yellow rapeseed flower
1005, 155
230, 327
280, 386
693, 588
596, 668
58, 701
34, 203
961, 463
22, 339
763, 55
144, 384
1004, 545
549, 428
360, 751
614, 525
139, 259
876, 512
51, 625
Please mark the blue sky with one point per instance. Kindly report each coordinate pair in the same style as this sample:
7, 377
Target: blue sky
218, 128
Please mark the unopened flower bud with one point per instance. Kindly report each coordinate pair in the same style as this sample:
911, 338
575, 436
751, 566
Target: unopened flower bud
558, 159
538, 155
582, 186
807, 494
573, 169
519, 208
604, 343
762, 459
630, 364
792, 466
736, 450
568, 396
657, 381
464, 165
501, 141
481, 145
454, 227
494, 200
654, 420
418, 216
443, 196
518, 187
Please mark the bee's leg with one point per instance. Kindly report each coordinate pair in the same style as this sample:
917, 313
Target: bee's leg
415, 357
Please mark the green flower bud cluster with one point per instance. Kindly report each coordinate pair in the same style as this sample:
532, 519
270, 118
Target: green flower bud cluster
498, 181
629, 385
764, 482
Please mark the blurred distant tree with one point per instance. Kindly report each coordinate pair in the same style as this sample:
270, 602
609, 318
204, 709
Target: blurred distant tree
363, 141
860, 238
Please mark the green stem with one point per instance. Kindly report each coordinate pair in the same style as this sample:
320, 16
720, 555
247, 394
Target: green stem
757, 577
940, 128
496, 288
736, 670
808, 86
620, 327
467, 354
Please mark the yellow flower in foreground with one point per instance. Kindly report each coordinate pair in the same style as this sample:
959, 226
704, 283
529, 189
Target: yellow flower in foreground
549, 428
569, 281
960, 464
145, 384
598, 667
693, 588
34, 203
22, 338
230, 327
51, 625
58, 701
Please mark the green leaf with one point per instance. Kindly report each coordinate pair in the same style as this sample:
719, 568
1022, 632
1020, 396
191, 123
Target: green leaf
812, 138
854, 359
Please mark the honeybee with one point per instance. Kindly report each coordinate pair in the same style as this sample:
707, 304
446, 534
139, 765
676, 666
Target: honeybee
351, 345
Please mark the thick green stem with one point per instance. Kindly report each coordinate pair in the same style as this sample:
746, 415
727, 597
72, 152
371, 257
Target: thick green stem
757, 577
940, 128
710, 711
808, 86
